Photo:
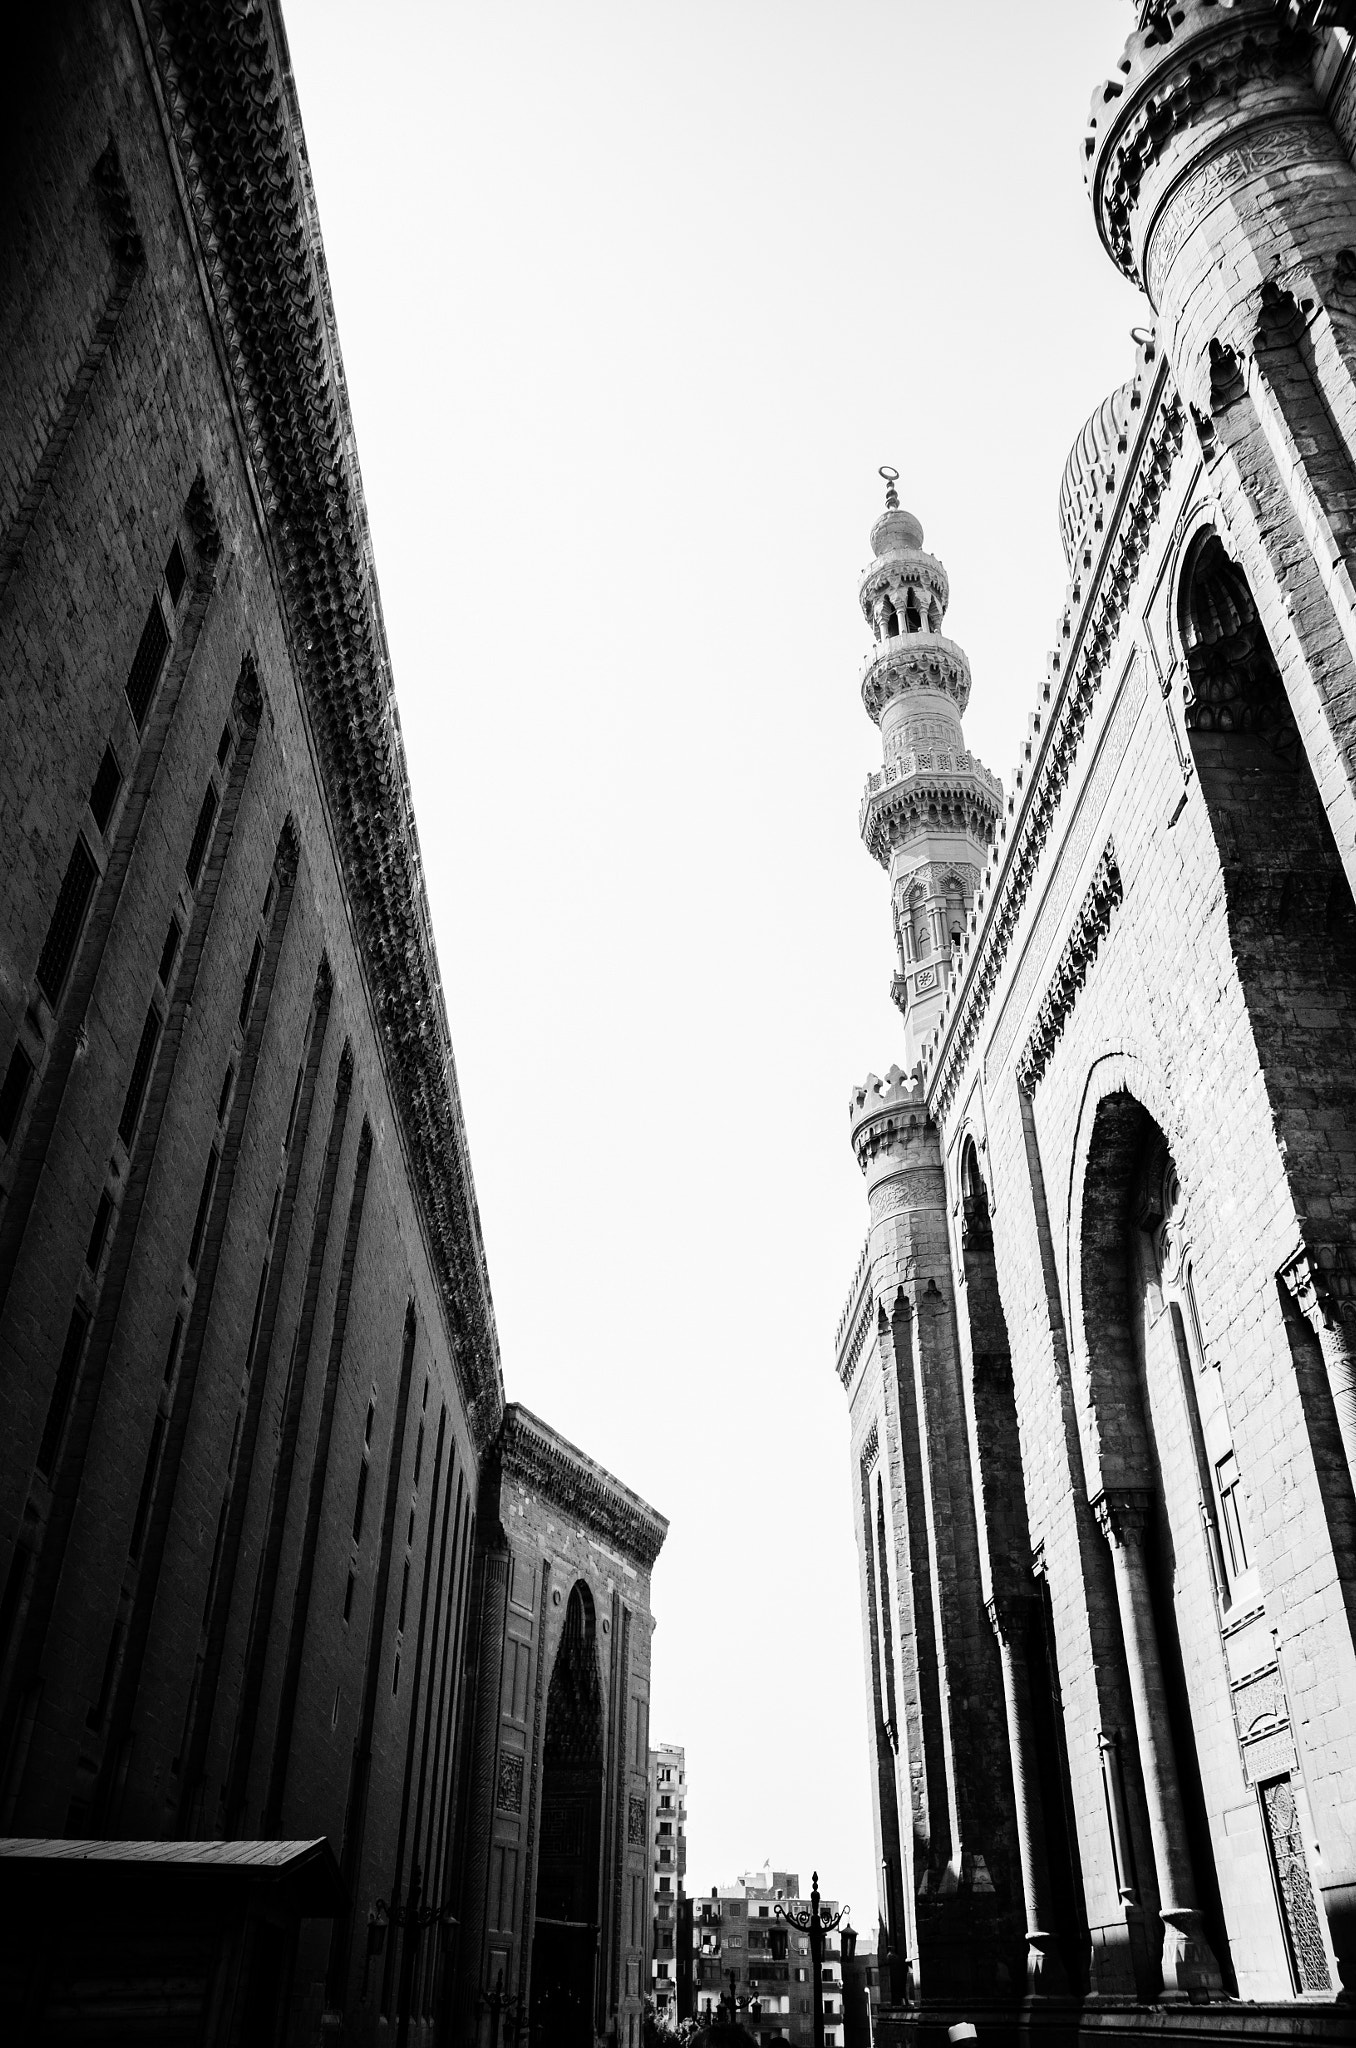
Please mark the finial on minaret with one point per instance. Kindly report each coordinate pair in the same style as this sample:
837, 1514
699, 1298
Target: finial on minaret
891, 479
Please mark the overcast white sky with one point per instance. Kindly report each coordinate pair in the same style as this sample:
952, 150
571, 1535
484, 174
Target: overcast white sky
633, 300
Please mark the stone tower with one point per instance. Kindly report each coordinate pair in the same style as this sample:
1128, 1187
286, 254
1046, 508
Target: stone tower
947, 1845
928, 817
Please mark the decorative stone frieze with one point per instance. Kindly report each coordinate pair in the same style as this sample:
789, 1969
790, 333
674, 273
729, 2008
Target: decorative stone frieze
1182, 69
1090, 925
545, 1463
238, 139
912, 797
1090, 631
910, 662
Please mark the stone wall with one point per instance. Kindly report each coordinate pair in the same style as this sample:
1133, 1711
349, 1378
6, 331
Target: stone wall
247, 1351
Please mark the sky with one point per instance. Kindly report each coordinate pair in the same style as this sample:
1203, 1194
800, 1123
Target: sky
633, 300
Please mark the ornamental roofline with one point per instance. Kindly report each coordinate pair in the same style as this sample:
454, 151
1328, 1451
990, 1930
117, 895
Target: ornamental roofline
543, 1460
228, 104
1095, 606
1183, 55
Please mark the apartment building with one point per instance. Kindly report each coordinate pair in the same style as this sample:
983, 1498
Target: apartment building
668, 1854
740, 1945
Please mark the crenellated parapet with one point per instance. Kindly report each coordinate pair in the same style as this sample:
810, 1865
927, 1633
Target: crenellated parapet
1187, 75
889, 1118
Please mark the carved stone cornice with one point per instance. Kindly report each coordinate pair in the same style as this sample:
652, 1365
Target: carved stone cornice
1123, 1514
232, 115
855, 1320
871, 1447
1078, 668
1090, 925
532, 1453
1180, 66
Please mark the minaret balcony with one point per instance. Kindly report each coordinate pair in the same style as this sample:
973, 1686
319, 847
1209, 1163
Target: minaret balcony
908, 662
921, 793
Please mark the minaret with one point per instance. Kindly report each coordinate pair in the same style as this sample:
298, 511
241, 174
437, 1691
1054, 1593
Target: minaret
929, 816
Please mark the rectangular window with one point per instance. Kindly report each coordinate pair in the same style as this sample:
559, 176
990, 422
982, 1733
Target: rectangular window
147, 663
95, 1717
1231, 1513
13, 1089
202, 832
95, 1247
404, 1596
251, 982
395, 1678
296, 1104
418, 1453
63, 1388
63, 933
224, 745
141, 1069
348, 1597
104, 794
169, 952
172, 1356
209, 1181
360, 1503
224, 1099
176, 575
147, 1482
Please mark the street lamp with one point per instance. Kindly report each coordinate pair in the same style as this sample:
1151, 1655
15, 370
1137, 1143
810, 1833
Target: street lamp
816, 1921
413, 1919
505, 2012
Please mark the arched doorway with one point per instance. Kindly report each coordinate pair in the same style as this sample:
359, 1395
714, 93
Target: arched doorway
565, 1944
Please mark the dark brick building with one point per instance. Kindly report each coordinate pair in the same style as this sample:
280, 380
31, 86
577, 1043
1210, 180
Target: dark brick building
1099, 1346
250, 1523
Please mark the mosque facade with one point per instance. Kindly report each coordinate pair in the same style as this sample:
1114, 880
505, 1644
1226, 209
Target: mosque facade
1098, 1348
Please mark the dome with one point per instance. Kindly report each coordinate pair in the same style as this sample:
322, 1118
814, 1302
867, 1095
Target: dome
1101, 440
895, 531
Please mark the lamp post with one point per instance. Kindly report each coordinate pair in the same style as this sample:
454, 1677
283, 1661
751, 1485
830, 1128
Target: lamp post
816, 1921
412, 1918
505, 2012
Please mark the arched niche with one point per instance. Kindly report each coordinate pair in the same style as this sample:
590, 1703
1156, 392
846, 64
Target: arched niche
565, 1942
1291, 919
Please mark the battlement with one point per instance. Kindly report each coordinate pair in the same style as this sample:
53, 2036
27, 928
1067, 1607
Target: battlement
897, 1091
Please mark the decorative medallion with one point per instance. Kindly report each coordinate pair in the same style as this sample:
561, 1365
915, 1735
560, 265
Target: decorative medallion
508, 1796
